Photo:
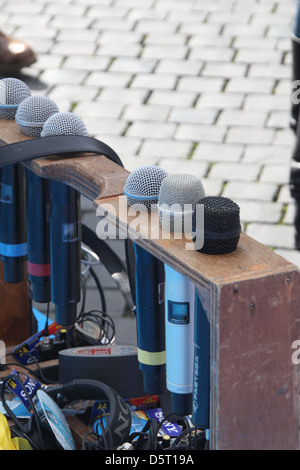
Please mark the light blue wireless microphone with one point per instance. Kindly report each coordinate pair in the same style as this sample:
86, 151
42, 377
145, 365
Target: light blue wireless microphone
176, 205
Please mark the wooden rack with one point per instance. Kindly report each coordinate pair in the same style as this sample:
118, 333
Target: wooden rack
251, 297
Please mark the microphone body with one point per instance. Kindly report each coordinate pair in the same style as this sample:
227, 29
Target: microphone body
38, 237
201, 368
65, 237
13, 237
65, 229
142, 188
30, 117
179, 320
149, 273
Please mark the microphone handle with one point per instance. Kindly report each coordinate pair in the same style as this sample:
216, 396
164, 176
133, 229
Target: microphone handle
65, 249
149, 273
38, 237
201, 381
179, 319
13, 237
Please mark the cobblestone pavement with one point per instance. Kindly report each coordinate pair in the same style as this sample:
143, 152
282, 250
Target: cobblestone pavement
195, 86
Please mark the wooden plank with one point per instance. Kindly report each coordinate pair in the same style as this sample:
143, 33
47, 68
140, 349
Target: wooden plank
250, 260
94, 176
256, 396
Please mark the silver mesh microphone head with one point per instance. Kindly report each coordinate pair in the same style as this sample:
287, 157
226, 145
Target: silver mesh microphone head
32, 114
143, 185
64, 123
178, 195
12, 93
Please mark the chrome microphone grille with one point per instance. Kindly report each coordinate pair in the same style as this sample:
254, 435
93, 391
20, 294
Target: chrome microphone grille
177, 198
32, 114
12, 93
64, 123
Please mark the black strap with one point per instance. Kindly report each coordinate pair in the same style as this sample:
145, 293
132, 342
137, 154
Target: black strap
19, 152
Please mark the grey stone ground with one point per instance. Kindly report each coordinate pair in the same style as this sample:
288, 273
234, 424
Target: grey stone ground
197, 86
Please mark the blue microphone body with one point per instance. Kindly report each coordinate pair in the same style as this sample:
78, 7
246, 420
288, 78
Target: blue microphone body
149, 273
201, 374
38, 237
13, 237
65, 239
179, 321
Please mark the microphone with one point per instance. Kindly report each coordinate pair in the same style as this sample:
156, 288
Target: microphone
142, 188
178, 196
65, 229
220, 235
222, 227
30, 118
13, 238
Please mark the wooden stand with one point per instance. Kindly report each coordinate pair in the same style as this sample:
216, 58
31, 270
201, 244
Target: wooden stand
251, 297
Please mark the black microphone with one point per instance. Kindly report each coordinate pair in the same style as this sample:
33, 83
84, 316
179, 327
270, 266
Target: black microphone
177, 200
142, 188
30, 118
13, 238
65, 229
217, 233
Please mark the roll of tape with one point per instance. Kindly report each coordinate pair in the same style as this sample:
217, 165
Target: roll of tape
114, 365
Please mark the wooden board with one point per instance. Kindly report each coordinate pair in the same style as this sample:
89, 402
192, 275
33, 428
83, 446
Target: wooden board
94, 176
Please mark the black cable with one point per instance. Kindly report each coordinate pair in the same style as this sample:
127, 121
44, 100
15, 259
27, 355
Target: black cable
100, 289
13, 416
102, 320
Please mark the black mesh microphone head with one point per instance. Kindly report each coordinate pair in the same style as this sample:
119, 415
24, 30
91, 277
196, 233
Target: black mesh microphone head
143, 185
220, 226
32, 114
64, 123
12, 93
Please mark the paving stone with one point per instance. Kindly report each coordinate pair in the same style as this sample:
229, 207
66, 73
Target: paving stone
275, 236
259, 211
250, 85
199, 133
172, 97
248, 135
146, 112
275, 173
123, 95
267, 153
133, 65
235, 171
165, 148
181, 165
218, 152
220, 101
251, 191
151, 82
193, 115
151, 129
242, 118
